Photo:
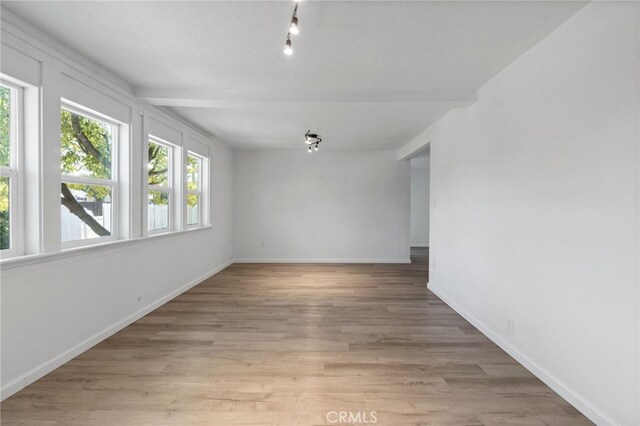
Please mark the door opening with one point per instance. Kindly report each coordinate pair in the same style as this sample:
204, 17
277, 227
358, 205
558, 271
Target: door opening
419, 200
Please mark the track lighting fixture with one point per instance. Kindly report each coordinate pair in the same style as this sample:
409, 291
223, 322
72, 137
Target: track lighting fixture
313, 140
293, 29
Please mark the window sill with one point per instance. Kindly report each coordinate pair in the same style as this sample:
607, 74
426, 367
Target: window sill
33, 259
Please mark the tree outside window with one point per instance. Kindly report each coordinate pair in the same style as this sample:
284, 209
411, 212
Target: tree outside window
87, 189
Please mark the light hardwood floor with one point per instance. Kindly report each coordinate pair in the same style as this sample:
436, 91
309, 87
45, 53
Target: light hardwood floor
286, 345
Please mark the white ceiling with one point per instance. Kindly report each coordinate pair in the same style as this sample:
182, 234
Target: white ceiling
363, 74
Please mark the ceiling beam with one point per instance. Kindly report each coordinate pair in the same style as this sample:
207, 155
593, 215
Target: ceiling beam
207, 98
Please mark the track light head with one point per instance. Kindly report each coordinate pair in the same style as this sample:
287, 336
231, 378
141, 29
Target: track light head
293, 29
311, 138
316, 146
287, 47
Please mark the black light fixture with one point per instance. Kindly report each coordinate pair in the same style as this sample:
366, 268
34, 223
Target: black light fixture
293, 29
313, 140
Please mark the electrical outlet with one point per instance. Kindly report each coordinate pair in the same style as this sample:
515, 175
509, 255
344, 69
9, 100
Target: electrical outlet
510, 326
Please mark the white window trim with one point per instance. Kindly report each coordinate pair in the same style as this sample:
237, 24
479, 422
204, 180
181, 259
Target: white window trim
170, 189
112, 183
14, 171
198, 192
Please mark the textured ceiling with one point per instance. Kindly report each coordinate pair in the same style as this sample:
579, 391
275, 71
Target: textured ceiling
359, 59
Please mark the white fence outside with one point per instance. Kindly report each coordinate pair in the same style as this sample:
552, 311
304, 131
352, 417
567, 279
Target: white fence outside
158, 216
75, 229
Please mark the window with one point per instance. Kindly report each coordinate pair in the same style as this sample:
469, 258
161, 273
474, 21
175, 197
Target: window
194, 189
159, 177
76, 182
88, 145
9, 146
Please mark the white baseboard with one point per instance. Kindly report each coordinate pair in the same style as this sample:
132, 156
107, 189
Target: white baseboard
420, 245
333, 261
574, 398
48, 366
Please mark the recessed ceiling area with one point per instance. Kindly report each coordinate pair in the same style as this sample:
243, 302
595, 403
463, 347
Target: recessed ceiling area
366, 75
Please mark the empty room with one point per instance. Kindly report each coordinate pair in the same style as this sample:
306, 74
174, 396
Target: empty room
320, 213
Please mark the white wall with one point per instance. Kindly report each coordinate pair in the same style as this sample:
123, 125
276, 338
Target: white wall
535, 207
57, 304
54, 310
326, 206
420, 200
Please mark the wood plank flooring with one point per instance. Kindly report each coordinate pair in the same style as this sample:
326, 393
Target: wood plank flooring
288, 345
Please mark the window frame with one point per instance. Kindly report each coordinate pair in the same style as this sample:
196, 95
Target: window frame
14, 170
199, 192
170, 189
113, 183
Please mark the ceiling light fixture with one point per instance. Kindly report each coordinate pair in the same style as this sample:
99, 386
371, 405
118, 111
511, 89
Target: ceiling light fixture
313, 140
293, 29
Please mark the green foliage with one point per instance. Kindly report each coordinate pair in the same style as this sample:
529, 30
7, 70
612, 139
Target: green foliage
5, 160
193, 170
5, 123
86, 151
192, 200
93, 192
4, 194
193, 176
158, 172
5, 240
158, 198
158, 166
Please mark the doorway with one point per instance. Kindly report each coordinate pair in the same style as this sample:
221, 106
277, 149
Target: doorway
419, 196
